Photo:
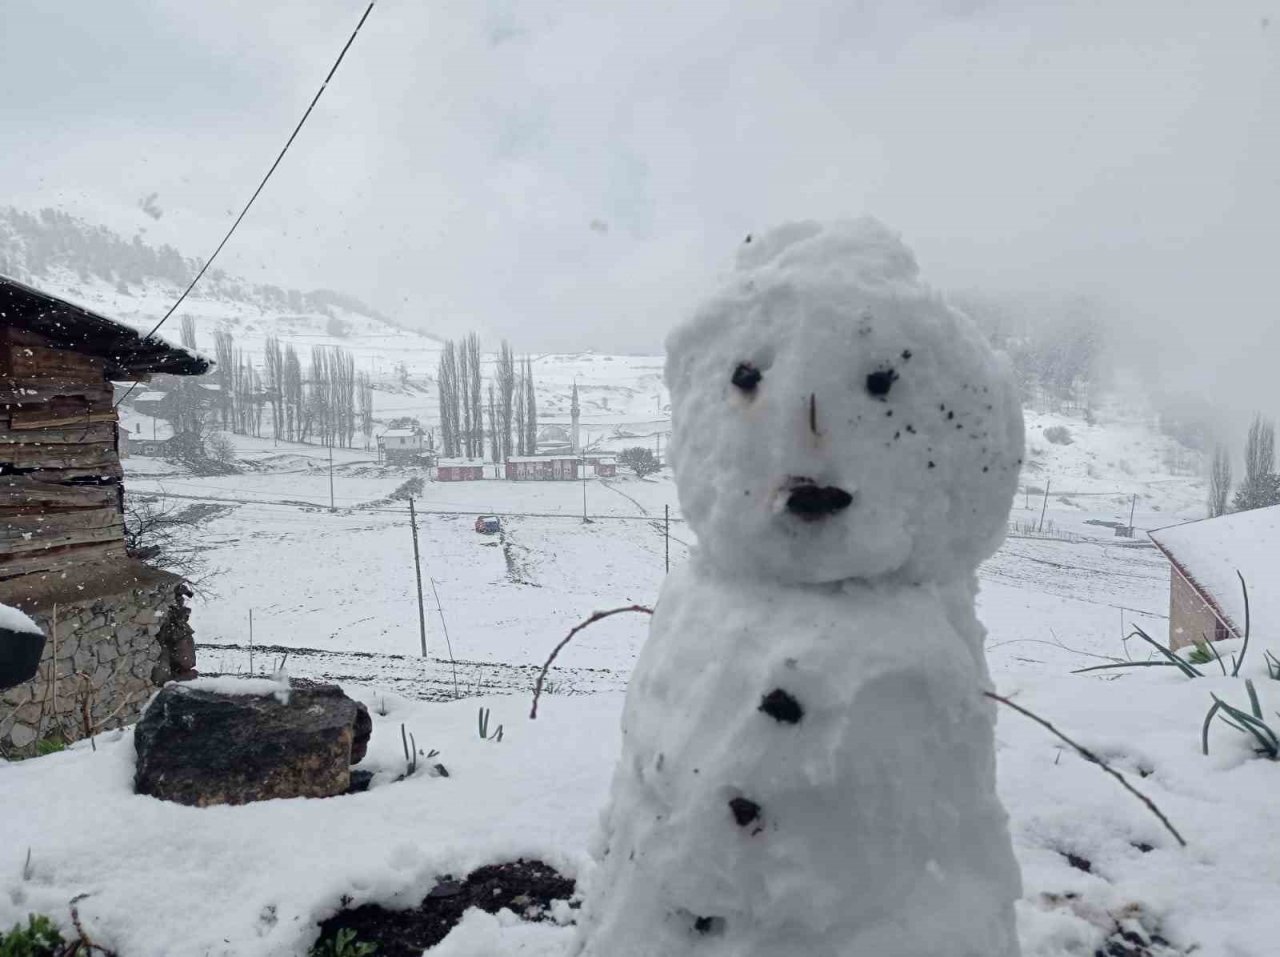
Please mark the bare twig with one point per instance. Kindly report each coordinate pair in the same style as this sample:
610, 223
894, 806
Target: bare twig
1093, 759
84, 943
537, 688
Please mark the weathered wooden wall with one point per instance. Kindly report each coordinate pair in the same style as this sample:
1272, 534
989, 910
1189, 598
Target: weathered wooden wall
60, 475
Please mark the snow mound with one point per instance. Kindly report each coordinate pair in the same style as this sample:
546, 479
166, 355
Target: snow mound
857, 377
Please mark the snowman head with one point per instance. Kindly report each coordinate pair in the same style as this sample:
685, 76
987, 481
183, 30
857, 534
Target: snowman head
834, 419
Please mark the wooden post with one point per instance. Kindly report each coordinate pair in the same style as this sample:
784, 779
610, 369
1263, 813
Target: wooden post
1045, 506
585, 520
331, 508
417, 570
1132, 505
250, 642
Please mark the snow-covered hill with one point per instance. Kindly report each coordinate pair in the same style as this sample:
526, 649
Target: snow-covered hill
135, 283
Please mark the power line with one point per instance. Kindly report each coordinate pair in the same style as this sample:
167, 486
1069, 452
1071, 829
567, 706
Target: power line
244, 212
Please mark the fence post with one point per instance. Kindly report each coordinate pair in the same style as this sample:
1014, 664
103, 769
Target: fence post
417, 570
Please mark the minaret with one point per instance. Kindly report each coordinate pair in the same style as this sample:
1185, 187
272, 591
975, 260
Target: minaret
574, 444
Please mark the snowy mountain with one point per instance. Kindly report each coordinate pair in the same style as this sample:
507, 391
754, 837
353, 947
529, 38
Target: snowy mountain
136, 283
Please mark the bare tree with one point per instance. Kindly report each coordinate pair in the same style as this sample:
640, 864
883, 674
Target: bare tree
161, 532
530, 410
506, 398
449, 385
273, 383
291, 377
495, 440
188, 334
1219, 482
519, 415
224, 348
1261, 485
364, 389
473, 395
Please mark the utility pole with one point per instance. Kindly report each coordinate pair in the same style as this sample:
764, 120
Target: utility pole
251, 642
666, 534
1132, 505
331, 508
585, 520
417, 570
1045, 506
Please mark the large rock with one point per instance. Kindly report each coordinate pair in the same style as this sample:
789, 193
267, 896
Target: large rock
232, 741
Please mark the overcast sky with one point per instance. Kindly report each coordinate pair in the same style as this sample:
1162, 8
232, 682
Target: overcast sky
577, 174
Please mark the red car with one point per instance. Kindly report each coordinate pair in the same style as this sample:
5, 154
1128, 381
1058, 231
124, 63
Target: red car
488, 525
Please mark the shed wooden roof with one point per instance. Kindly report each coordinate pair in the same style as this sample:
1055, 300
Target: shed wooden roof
128, 354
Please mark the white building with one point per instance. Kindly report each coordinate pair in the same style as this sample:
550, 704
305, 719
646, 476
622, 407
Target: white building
401, 445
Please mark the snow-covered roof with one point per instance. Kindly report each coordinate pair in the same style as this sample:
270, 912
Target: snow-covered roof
455, 463
151, 396
399, 434
129, 355
1211, 551
544, 458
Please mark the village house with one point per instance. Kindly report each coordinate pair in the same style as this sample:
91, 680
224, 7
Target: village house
144, 435
115, 627
402, 446
1206, 601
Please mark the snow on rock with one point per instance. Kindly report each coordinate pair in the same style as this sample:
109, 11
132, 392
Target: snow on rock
277, 685
14, 619
855, 375
165, 880
808, 762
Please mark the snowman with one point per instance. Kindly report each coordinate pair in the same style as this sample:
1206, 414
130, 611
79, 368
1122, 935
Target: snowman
808, 763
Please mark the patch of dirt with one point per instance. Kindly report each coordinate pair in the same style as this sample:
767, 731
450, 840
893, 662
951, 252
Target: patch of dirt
517, 565
525, 887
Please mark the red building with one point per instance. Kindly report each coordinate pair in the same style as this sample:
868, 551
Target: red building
460, 470
543, 468
605, 466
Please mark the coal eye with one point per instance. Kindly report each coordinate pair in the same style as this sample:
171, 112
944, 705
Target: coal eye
746, 377
880, 382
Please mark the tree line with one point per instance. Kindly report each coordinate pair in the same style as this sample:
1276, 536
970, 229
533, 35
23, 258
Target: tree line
325, 401
1260, 486
511, 407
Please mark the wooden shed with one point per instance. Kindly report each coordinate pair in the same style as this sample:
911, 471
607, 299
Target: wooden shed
543, 468
62, 537
60, 474
459, 470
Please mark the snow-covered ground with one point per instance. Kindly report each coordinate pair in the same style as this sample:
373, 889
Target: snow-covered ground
337, 590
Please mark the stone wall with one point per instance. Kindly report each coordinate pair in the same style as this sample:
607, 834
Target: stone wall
107, 652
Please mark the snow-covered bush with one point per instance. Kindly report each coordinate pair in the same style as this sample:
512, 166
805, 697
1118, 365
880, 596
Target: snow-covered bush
1058, 435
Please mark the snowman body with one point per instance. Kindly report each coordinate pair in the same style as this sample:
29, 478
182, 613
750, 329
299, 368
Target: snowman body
808, 759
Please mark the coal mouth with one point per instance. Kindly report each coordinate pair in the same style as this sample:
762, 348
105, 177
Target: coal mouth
812, 502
